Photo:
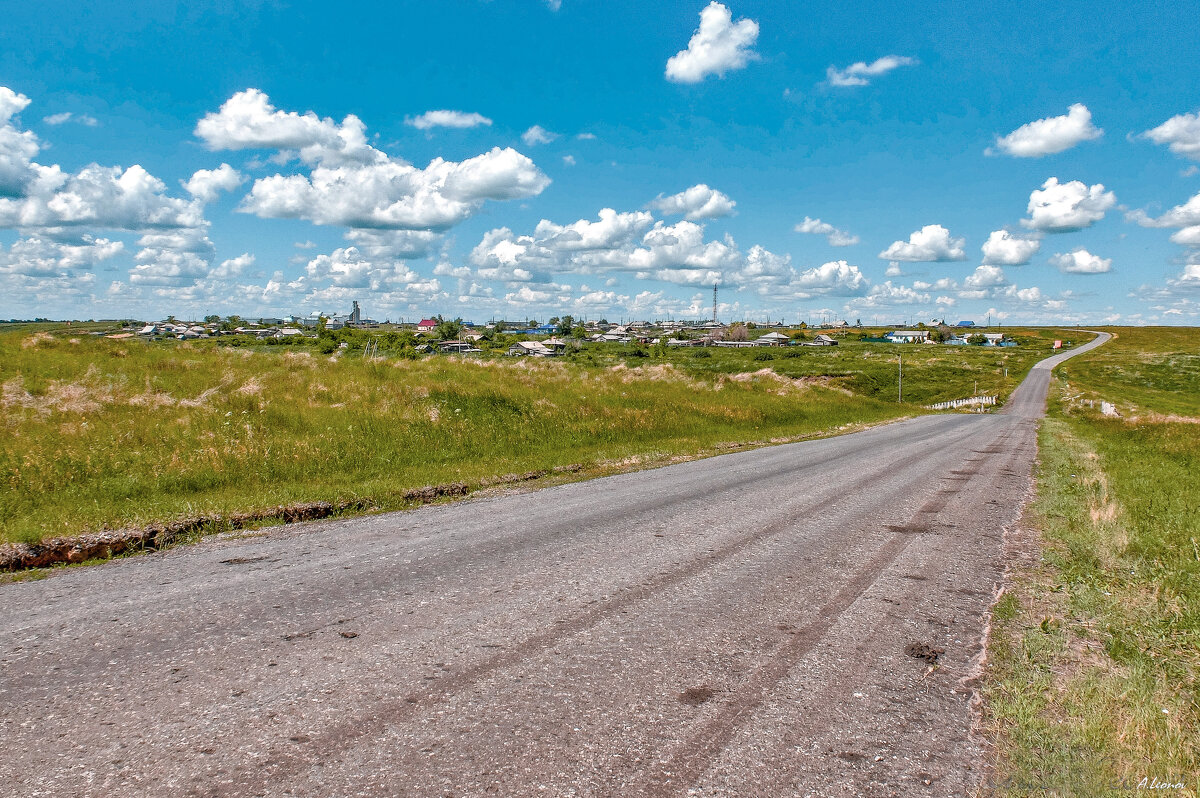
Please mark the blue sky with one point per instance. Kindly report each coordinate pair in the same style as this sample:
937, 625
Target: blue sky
1035, 163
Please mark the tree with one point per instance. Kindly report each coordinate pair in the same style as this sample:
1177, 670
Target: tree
212, 319
737, 332
448, 330
564, 324
553, 322
579, 331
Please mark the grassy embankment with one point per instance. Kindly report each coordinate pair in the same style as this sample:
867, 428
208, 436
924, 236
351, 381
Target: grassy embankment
1094, 680
111, 433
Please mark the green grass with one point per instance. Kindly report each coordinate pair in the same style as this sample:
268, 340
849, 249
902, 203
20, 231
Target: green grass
1095, 674
105, 433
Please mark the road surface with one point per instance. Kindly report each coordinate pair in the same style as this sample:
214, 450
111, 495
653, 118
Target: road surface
730, 626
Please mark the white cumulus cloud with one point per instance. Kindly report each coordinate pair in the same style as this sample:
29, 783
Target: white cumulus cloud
1189, 278
394, 244
455, 119
1188, 236
697, 202
931, 243
1004, 249
11, 104
112, 198
836, 237
1050, 135
18, 148
1065, 207
1180, 133
248, 120
886, 294
395, 195
233, 267
42, 256
718, 46
677, 253
611, 231
206, 184
1184, 215
860, 72
1080, 261
835, 278
985, 276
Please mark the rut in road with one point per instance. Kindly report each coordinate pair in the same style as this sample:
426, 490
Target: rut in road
692, 756
351, 731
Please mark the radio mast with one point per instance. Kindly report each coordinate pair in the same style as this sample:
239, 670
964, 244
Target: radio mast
714, 303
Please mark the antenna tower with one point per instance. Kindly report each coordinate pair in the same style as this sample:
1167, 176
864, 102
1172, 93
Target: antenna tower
714, 303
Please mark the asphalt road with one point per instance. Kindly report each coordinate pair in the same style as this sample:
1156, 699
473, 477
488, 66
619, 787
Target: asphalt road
729, 626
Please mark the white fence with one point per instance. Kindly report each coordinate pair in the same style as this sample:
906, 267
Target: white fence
953, 404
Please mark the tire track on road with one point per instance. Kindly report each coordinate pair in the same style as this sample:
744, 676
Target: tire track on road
689, 760
348, 733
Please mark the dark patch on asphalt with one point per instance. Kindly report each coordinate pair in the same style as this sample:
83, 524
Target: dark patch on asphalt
924, 651
300, 635
243, 560
695, 696
348, 635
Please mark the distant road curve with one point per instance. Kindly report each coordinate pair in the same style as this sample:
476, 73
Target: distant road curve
750, 624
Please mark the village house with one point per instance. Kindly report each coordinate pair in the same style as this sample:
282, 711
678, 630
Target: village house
772, 339
908, 336
459, 347
531, 348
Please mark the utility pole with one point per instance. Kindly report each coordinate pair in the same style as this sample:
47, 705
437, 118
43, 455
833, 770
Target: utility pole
900, 382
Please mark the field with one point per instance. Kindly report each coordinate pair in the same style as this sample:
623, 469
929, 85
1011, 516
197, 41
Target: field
931, 373
103, 433
1095, 672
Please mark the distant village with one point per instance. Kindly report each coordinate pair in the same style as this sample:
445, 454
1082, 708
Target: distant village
559, 334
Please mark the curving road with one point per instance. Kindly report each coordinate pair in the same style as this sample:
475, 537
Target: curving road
729, 626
